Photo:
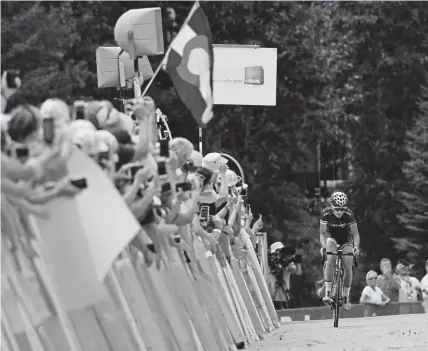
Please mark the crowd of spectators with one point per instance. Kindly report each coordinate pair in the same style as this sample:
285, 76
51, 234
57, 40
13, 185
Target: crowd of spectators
394, 286
178, 195
166, 181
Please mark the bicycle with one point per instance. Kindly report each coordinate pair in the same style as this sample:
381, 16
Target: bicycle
337, 284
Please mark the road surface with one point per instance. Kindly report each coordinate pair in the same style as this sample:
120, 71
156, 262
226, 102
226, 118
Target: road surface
401, 333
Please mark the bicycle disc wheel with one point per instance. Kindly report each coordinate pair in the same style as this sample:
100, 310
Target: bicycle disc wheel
336, 308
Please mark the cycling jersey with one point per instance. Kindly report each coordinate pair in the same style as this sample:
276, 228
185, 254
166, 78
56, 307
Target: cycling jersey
338, 227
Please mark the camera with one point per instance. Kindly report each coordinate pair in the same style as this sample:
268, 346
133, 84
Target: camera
80, 183
206, 219
22, 152
280, 260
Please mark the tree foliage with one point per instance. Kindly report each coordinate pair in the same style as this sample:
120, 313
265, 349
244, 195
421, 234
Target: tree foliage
348, 72
414, 199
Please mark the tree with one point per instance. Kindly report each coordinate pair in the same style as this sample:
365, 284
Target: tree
391, 60
414, 212
36, 39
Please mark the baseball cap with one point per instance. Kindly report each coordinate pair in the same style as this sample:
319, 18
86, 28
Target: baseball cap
88, 142
232, 178
276, 246
213, 160
56, 109
80, 124
197, 158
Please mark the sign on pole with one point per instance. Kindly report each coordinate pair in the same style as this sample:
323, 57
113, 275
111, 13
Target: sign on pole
244, 75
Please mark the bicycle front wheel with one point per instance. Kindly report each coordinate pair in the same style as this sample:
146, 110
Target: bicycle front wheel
337, 296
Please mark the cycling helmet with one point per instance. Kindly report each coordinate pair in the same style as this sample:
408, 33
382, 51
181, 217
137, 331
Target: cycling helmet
339, 199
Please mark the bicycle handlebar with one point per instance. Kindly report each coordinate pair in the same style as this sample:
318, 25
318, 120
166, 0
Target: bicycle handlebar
324, 256
343, 254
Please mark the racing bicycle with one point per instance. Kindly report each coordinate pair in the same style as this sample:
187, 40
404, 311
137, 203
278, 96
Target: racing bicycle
337, 284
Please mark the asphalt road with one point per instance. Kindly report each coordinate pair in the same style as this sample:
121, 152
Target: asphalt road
402, 333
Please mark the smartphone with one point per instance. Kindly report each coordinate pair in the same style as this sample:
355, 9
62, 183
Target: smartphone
186, 186
22, 152
80, 112
248, 209
134, 169
151, 247
48, 130
166, 187
244, 192
79, 109
162, 168
164, 148
11, 75
204, 213
79, 183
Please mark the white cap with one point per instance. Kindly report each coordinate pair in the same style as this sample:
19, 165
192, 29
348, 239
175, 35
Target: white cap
89, 143
80, 124
197, 158
108, 138
232, 178
56, 109
276, 246
213, 160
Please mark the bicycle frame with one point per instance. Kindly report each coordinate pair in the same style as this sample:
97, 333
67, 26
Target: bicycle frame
337, 284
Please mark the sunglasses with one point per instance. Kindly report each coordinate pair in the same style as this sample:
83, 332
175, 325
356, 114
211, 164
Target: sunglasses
373, 278
339, 208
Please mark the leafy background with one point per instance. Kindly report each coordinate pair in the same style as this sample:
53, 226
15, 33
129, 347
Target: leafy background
348, 72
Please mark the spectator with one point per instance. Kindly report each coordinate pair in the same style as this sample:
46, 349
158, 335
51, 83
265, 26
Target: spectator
167, 214
410, 286
424, 283
103, 115
386, 282
57, 110
416, 284
281, 267
372, 295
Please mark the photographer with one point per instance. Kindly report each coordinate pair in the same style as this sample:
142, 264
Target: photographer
282, 264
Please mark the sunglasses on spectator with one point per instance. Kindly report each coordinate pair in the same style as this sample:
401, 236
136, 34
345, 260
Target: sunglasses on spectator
373, 278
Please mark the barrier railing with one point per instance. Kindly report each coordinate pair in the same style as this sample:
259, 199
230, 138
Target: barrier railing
205, 304
358, 310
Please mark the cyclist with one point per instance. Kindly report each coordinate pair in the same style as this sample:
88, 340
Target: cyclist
338, 227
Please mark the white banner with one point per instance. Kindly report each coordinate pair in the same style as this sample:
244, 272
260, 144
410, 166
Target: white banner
244, 75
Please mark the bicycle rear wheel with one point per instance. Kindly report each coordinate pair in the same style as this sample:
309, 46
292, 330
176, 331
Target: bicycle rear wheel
337, 295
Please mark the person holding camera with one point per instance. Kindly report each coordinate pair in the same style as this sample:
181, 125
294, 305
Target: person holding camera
10, 83
282, 264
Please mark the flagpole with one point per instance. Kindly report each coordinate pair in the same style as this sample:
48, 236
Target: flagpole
192, 11
200, 140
